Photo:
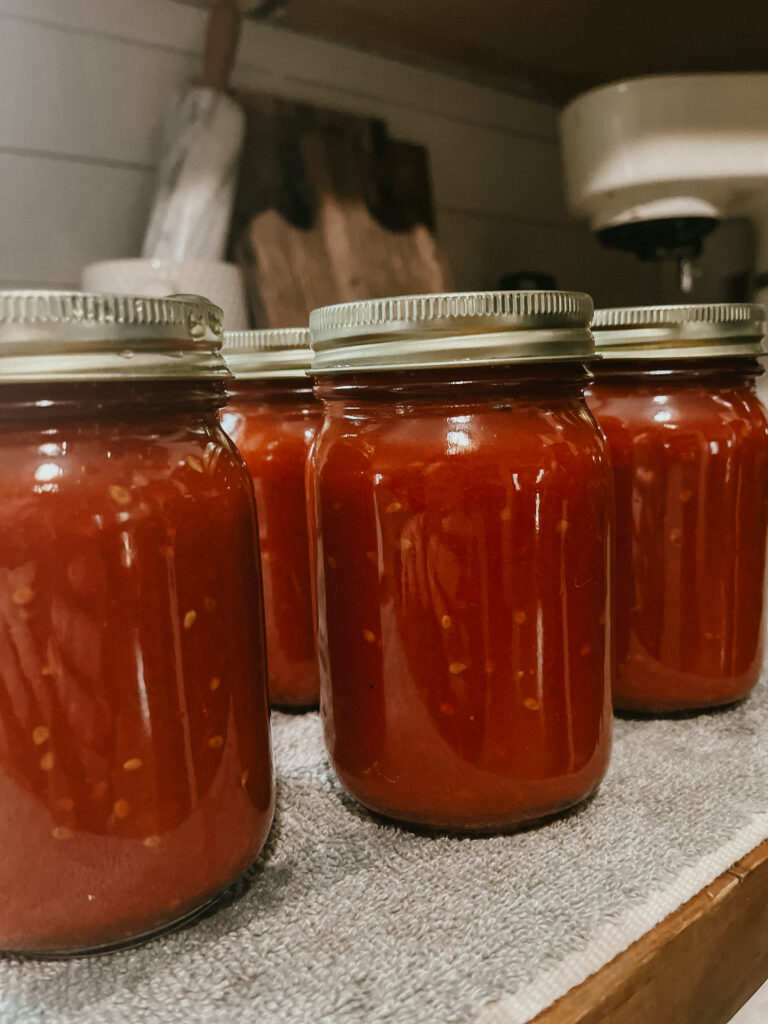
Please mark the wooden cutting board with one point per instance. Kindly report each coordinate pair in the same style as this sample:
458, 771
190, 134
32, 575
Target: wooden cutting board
329, 209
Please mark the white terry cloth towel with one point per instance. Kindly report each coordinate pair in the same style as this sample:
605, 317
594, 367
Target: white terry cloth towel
346, 920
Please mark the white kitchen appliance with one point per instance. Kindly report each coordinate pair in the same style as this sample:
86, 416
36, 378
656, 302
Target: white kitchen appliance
655, 163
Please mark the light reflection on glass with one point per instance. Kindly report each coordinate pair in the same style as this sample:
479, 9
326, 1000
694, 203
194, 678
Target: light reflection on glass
540, 657
458, 441
141, 684
128, 554
46, 475
228, 422
47, 471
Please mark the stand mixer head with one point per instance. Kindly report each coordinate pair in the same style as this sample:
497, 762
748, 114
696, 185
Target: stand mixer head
655, 163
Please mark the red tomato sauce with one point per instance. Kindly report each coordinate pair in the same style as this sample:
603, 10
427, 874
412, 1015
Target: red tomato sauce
689, 446
462, 534
135, 767
273, 424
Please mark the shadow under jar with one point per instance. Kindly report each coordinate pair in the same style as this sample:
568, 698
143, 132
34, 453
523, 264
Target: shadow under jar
135, 767
272, 416
675, 396
462, 517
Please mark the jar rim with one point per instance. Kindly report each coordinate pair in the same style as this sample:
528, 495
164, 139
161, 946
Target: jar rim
451, 328
268, 352
681, 331
51, 335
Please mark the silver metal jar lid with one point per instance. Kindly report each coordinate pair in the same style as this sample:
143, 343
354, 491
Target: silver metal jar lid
680, 332
77, 336
277, 352
410, 332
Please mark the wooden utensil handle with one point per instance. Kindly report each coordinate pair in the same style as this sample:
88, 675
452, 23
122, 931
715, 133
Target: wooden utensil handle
221, 43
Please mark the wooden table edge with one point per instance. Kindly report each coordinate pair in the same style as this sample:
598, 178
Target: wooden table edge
698, 966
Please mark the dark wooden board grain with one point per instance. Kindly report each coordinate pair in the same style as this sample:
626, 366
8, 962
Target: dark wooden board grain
329, 209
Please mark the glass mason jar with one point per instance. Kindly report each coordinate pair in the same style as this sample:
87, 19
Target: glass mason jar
135, 767
675, 396
272, 417
462, 518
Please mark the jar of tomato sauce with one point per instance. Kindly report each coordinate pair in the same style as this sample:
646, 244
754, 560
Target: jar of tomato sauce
462, 515
135, 767
674, 394
272, 417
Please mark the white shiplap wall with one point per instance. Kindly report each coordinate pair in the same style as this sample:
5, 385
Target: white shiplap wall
85, 82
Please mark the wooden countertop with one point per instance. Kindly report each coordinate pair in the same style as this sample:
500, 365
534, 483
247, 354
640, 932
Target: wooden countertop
697, 967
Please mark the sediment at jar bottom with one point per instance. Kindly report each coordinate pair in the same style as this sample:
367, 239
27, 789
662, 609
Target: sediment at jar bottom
656, 699
504, 812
